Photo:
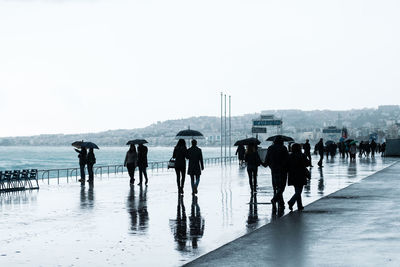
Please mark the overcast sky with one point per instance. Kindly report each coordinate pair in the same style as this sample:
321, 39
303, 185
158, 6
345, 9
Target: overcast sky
85, 66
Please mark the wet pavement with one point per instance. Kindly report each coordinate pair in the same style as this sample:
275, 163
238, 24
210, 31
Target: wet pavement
111, 224
356, 226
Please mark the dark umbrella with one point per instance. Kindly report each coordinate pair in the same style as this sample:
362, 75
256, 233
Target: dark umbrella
189, 134
284, 138
248, 141
349, 140
77, 144
89, 145
329, 142
137, 142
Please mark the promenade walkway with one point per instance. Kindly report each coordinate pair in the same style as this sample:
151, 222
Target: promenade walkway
356, 226
111, 224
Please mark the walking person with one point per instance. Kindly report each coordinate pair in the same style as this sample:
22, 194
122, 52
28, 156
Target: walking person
142, 163
82, 154
373, 146
320, 148
297, 177
180, 154
253, 161
307, 150
130, 163
196, 165
91, 160
276, 159
240, 152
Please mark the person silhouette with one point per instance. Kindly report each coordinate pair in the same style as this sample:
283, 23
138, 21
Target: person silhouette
196, 165
142, 163
307, 150
82, 153
240, 152
90, 160
297, 165
253, 161
130, 163
277, 159
320, 148
180, 154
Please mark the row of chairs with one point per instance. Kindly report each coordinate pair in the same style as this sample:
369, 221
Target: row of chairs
18, 180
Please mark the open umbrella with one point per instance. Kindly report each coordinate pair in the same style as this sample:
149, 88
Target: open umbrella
189, 134
89, 145
283, 137
349, 140
353, 142
137, 142
77, 144
329, 142
248, 141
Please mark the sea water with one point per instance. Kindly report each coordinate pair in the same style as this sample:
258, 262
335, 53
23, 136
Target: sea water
46, 157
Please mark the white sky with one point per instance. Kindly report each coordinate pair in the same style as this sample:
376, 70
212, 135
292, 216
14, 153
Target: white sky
85, 66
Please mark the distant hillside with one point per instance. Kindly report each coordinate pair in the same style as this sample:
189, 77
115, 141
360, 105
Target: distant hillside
163, 133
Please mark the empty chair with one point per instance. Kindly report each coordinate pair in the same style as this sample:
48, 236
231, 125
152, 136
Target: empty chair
16, 181
33, 176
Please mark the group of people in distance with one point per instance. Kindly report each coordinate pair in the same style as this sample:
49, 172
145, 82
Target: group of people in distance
138, 159
285, 168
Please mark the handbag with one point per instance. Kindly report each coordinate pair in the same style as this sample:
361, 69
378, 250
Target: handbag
171, 163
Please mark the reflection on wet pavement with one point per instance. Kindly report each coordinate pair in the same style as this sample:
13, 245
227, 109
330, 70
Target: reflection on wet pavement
112, 224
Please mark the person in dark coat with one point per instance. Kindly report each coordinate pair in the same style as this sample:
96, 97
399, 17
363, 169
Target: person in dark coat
196, 165
130, 163
91, 160
276, 159
142, 163
82, 153
373, 146
180, 154
307, 150
320, 148
253, 161
297, 177
240, 152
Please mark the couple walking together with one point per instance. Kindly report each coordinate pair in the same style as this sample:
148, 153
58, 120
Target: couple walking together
284, 168
135, 159
196, 165
88, 159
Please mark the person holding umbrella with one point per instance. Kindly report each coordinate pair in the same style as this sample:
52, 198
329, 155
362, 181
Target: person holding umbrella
240, 152
196, 165
142, 163
253, 161
82, 154
130, 162
180, 154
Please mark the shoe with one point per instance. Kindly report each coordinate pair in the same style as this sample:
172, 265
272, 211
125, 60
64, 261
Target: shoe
139, 184
300, 208
146, 182
81, 180
290, 207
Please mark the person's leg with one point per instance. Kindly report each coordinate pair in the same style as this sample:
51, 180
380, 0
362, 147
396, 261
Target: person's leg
131, 171
255, 179
82, 169
183, 174
249, 174
140, 175
178, 179
90, 172
145, 174
192, 182
298, 190
197, 181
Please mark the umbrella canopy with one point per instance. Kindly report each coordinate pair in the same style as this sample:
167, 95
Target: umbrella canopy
283, 137
329, 142
248, 141
77, 144
353, 142
189, 134
349, 140
89, 145
137, 142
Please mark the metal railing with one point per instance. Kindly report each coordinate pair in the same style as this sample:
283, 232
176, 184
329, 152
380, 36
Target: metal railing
74, 173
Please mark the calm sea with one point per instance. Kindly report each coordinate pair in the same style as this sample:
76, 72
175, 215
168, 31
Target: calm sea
65, 157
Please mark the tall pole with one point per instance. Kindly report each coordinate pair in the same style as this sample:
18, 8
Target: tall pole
220, 138
230, 129
225, 139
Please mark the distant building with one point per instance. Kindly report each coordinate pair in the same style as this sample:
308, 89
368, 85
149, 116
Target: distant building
389, 108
